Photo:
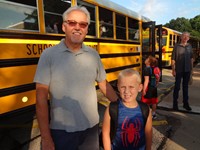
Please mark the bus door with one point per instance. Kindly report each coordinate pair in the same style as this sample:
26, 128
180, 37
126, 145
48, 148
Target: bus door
148, 40
159, 45
151, 42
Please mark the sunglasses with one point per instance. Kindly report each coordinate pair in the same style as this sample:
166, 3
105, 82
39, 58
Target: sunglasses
73, 23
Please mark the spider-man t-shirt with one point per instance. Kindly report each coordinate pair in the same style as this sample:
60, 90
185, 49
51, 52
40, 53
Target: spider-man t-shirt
130, 131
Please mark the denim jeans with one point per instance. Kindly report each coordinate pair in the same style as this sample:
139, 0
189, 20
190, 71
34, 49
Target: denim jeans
80, 140
185, 77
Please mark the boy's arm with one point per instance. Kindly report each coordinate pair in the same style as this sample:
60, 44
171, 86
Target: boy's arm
146, 82
148, 131
157, 81
106, 130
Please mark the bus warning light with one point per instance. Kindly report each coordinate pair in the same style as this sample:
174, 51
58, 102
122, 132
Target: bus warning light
24, 99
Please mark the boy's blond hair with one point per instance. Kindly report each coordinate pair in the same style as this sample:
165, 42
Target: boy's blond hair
129, 72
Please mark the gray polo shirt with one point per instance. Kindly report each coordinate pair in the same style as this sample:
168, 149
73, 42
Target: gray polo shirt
182, 56
71, 79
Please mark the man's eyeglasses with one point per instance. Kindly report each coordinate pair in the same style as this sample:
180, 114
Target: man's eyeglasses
73, 23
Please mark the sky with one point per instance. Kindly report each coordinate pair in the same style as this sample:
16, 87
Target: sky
162, 11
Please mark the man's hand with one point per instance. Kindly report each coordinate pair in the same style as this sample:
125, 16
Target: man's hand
47, 144
174, 73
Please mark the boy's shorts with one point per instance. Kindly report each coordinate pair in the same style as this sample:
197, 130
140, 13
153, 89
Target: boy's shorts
149, 101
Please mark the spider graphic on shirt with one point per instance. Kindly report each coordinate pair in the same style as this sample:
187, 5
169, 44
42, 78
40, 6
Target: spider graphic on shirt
130, 132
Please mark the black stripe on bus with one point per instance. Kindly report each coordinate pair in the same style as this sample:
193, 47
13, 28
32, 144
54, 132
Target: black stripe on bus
121, 68
18, 62
30, 36
34, 61
36, 36
31, 86
15, 117
17, 89
119, 55
101, 40
168, 52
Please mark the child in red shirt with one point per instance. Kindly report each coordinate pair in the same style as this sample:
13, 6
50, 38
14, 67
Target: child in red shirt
151, 78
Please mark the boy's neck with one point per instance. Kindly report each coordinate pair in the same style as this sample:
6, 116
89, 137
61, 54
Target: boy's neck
131, 104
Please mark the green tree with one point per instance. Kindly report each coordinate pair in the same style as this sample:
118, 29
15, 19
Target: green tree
195, 23
182, 24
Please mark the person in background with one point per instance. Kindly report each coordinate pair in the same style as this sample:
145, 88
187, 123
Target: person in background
103, 29
151, 75
182, 65
132, 132
66, 73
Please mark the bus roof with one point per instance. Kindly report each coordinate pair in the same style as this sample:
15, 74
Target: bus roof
175, 31
118, 8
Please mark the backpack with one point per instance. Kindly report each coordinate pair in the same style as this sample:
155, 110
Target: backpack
113, 111
155, 75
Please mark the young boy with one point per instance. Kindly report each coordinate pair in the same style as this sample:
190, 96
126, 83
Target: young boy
151, 78
132, 132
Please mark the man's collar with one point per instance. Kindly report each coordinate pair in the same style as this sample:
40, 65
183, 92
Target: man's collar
63, 47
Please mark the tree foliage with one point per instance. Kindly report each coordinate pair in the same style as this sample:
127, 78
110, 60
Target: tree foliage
182, 24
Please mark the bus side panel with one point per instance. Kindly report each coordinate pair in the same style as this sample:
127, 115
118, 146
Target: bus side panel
117, 57
19, 58
16, 101
25, 49
18, 75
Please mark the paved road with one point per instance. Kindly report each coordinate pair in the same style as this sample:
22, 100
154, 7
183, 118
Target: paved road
183, 128
171, 130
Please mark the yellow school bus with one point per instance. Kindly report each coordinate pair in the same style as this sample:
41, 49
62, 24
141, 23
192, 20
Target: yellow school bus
169, 39
28, 27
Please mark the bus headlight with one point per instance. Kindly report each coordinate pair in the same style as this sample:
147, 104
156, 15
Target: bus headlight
24, 99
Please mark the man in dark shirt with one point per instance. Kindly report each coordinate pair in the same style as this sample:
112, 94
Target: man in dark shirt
182, 64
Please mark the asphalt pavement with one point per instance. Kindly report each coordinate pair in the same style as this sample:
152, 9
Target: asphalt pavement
181, 130
172, 130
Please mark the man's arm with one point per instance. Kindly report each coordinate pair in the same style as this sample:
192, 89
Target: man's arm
173, 68
42, 113
106, 130
173, 62
107, 90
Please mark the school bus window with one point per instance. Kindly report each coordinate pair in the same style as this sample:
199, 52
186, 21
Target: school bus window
170, 40
120, 27
91, 9
178, 39
53, 11
20, 15
145, 45
145, 40
25, 2
164, 41
105, 23
164, 32
133, 29
174, 40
